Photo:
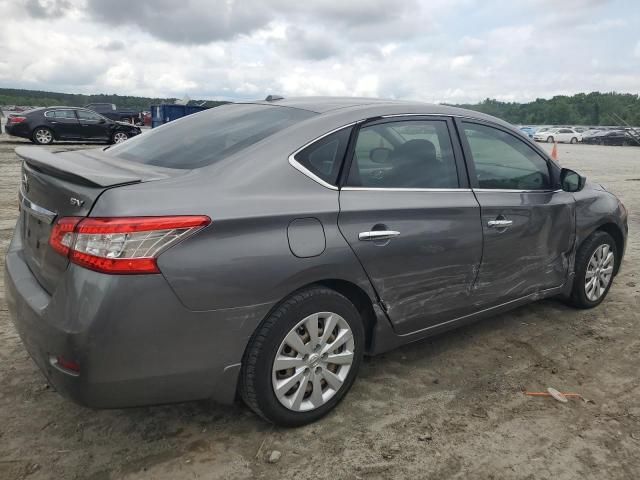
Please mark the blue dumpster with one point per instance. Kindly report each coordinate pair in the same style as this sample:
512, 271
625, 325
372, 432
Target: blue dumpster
165, 113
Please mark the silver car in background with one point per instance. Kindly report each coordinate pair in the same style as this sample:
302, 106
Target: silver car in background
259, 250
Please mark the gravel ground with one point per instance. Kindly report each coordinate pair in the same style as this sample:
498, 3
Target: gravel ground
448, 407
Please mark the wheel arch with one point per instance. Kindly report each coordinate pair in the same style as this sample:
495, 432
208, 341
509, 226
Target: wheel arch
353, 292
52, 130
616, 233
361, 300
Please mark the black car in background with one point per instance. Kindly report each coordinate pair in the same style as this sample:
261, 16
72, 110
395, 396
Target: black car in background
110, 110
44, 125
612, 137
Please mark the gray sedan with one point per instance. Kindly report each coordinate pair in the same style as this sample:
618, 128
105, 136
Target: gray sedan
259, 250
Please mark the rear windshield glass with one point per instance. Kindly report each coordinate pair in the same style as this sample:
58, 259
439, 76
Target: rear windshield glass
207, 137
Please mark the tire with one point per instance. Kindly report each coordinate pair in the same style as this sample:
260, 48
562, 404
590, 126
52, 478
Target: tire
259, 376
586, 254
119, 137
574, 140
42, 136
549, 139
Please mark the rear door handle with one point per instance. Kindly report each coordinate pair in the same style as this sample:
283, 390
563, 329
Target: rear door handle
501, 223
378, 235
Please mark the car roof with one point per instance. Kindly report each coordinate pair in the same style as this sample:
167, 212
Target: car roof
371, 107
54, 107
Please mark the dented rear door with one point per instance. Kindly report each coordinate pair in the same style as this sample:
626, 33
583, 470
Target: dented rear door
424, 271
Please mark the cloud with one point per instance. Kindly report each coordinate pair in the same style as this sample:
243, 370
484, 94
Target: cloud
113, 45
432, 50
308, 44
187, 21
204, 21
47, 8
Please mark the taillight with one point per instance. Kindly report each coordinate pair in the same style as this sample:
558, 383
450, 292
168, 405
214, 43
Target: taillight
61, 237
16, 119
123, 245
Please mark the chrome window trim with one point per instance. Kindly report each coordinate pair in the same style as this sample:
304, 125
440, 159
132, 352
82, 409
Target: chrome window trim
442, 115
397, 189
58, 110
392, 115
37, 211
304, 170
507, 190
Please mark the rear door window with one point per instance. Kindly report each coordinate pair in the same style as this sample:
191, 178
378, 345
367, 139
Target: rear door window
65, 114
205, 138
404, 154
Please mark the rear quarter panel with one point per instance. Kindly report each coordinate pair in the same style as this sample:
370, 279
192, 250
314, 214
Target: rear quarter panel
243, 258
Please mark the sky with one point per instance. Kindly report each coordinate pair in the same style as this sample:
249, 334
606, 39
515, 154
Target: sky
453, 51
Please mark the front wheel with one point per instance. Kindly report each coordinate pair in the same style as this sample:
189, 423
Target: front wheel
42, 136
574, 140
549, 139
596, 263
119, 137
303, 358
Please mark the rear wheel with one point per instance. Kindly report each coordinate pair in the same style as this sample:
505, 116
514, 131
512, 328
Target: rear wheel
596, 261
42, 136
549, 139
303, 358
119, 137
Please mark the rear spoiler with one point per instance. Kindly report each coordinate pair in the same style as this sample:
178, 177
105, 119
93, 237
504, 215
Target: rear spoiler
88, 167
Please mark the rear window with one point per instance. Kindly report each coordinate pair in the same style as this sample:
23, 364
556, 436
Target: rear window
207, 137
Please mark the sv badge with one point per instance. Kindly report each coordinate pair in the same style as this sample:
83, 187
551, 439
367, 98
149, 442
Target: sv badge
76, 202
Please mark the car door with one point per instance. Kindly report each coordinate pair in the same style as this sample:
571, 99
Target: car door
63, 122
93, 125
408, 214
528, 223
568, 134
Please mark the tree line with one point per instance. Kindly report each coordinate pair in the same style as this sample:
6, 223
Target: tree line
593, 108
20, 97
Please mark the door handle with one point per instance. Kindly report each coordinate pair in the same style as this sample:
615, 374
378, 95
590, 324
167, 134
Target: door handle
500, 223
378, 235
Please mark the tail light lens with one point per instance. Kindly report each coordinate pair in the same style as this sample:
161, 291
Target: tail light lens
124, 245
16, 119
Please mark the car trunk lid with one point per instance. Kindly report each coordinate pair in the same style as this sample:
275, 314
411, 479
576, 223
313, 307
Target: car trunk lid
55, 185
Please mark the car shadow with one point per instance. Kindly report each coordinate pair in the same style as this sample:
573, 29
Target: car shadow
453, 342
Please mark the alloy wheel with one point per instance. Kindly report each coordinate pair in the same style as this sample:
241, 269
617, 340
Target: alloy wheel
313, 361
599, 272
120, 137
43, 136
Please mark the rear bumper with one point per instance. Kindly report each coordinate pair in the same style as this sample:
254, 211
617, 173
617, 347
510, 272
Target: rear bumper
136, 344
17, 130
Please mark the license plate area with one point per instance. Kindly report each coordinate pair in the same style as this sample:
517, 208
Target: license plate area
45, 263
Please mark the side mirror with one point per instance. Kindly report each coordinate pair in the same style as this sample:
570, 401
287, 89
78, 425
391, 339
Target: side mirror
571, 181
102, 120
379, 155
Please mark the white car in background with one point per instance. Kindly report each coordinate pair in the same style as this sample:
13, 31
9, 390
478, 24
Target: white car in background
560, 135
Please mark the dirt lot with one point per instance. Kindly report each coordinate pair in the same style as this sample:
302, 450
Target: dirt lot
448, 407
